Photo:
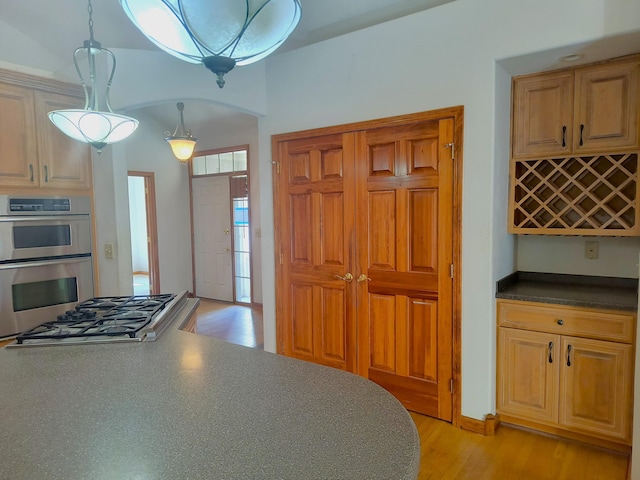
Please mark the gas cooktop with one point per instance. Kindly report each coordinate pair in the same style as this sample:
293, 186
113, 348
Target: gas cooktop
106, 319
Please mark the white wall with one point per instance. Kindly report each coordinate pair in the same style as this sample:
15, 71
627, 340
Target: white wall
617, 257
149, 152
438, 58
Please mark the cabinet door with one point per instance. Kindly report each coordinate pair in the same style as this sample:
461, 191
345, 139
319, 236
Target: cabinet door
542, 115
606, 112
528, 370
596, 385
64, 162
18, 150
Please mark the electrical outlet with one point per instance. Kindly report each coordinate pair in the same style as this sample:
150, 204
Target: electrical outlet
591, 250
108, 250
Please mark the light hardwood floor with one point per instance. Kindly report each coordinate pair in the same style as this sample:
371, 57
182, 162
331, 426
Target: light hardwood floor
448, 453
237, 324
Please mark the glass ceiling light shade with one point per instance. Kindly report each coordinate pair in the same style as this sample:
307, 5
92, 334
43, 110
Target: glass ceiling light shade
182, 142
217, 33
95, 124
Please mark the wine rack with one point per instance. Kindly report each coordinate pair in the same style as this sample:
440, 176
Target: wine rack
594, 195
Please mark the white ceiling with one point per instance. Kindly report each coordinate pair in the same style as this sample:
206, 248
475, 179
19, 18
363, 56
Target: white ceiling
60, 26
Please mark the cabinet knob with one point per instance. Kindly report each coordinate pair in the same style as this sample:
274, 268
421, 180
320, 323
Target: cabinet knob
560, 322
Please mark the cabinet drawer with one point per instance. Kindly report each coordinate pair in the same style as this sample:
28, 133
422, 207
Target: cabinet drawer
559, 319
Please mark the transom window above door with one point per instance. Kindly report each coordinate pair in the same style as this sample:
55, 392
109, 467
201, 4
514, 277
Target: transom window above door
224, 162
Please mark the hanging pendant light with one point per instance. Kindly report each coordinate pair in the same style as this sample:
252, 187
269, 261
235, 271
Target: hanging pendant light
182, 142
217, 33
95, 124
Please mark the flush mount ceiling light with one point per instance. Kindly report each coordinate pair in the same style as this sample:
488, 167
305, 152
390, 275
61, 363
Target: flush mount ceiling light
95, 124
182, 142
217, 33
572, 57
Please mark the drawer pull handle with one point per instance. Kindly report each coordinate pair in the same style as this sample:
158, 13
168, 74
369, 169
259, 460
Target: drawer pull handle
569, 356
564, 136
581, 132
550, 352
560, 322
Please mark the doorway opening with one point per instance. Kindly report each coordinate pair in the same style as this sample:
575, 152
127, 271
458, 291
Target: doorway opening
222, 262
144, 233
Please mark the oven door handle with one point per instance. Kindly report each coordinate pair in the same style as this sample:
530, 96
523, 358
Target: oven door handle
44, 218
44, 263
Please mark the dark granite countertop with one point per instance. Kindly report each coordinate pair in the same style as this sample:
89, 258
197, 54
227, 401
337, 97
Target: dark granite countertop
193, 407
575, 290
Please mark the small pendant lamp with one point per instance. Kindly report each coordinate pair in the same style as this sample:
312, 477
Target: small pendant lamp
95, 124
220, 34
182, 142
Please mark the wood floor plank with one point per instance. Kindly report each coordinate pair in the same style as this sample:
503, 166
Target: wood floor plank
448, 453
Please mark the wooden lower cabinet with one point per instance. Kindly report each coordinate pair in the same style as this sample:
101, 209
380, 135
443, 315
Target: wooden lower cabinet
565, 384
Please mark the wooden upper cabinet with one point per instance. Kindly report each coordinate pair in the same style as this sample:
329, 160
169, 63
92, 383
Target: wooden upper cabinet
592, 109
542, 115
33, 152
18, 149
64, 162
606, 110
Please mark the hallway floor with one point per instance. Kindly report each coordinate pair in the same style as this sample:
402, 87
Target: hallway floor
239, 324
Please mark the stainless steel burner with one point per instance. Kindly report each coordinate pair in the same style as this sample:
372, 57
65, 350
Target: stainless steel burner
106, 319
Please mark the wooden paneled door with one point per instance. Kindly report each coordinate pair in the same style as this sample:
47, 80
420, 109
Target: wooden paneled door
315, 306
366, 238
405, 255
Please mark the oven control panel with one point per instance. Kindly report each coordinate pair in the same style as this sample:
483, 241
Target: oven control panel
39, 205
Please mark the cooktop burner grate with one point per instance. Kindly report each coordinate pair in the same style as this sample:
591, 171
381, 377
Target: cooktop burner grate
101, 317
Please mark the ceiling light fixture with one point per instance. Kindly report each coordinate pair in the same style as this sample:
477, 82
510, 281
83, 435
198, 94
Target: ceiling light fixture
572, 57
217, 33
182, 142
93, 125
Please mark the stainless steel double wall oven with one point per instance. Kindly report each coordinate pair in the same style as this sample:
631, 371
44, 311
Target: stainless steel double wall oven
46, 262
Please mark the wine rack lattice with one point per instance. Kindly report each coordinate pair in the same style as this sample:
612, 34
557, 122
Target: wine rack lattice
582, 194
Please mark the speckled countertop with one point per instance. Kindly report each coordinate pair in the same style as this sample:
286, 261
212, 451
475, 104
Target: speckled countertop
575, 290
193, 407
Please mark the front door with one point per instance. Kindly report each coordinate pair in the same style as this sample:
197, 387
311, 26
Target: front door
212, 237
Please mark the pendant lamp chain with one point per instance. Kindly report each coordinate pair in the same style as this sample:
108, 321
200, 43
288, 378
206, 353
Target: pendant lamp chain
90, 9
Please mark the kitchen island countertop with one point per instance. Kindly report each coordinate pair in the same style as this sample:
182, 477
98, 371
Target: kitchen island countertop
192, 407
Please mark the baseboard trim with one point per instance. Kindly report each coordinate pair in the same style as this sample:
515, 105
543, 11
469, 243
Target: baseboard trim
486, 427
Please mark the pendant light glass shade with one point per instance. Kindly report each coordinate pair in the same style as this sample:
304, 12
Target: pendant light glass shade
95, 124
182, 142
217, 33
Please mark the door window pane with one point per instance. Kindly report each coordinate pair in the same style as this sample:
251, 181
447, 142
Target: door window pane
239, 161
